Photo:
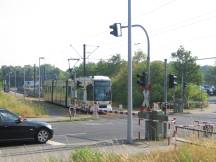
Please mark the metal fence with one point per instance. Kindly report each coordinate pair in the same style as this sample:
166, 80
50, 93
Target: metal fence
196, 130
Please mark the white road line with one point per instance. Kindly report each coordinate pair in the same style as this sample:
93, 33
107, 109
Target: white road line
0, 152
96, 124
70, 134
75, 134
55, 143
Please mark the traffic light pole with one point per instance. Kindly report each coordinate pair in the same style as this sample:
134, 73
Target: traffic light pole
84, 60
182, 91
84, 73
165, 86
130, 98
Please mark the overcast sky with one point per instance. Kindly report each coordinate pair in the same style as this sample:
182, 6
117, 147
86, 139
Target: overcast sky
30, 29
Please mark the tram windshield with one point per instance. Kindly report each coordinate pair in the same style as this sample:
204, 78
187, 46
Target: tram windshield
102, 90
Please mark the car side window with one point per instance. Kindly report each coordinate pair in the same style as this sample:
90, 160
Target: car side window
0, 118
8, 117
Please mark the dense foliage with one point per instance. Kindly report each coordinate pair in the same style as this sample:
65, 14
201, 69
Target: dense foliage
17, 74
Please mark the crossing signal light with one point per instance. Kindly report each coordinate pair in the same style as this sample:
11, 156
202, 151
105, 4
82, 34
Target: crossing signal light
79, 84
116, 29
172, 80
184, 84
142, 79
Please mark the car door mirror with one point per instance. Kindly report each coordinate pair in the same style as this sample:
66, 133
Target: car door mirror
20, 119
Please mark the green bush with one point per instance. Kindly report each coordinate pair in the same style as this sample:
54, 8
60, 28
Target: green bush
194, 93
88, 155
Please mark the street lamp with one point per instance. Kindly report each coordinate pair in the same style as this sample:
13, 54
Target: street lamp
70, 70
15, 82
24, 80
39, 86
9, 81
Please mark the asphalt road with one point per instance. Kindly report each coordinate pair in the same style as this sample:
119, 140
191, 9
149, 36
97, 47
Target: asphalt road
212, 99
94, 130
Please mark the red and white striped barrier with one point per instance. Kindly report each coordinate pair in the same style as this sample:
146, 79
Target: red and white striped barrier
171, 126
117, 112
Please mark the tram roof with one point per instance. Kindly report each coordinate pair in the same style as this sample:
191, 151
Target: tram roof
101, 78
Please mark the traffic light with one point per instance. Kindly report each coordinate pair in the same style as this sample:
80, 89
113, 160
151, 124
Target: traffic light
184, 85
172, 80
116, 29
79, 84
142, 79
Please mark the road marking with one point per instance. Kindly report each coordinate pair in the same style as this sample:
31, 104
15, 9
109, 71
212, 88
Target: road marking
55, 143
75, 134
70, 134
0, 152
97, 124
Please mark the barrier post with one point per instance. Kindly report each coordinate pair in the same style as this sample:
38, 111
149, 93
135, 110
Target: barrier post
95, 109
169, 133
70, 112
139, 128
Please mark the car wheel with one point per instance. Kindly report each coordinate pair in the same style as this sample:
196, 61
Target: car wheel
42, 136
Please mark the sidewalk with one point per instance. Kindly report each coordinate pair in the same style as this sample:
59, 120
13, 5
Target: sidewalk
52, 119
210, 109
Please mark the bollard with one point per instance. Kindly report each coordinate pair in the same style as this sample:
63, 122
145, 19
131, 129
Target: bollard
96, 109
69, 110
139, 129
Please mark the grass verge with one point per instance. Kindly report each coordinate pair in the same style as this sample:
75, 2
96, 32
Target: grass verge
21, 107
203, 152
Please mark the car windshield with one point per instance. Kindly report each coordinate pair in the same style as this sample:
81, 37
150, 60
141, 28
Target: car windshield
102, 91
7, 116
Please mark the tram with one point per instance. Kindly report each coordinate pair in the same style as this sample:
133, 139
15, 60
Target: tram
86, 91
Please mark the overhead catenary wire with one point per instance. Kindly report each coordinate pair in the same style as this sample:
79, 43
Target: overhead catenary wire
92, 51
146, 13
183, 25
170, 28
75, 50
157, 8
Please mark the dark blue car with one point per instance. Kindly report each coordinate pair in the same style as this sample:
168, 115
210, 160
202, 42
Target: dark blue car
15, 128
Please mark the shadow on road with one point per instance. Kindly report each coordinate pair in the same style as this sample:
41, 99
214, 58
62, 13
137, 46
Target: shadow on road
14, 144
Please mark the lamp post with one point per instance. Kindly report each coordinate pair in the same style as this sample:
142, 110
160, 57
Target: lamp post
24, 78
130, 98
15, 82
70, 70
39, 84
9, 81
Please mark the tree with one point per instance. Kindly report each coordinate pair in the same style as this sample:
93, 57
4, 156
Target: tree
115, 59
157, 81
210, 76
185, 66
186, 69
139, 57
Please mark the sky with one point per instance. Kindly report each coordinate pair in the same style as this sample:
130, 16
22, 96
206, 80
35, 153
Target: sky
57, 29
